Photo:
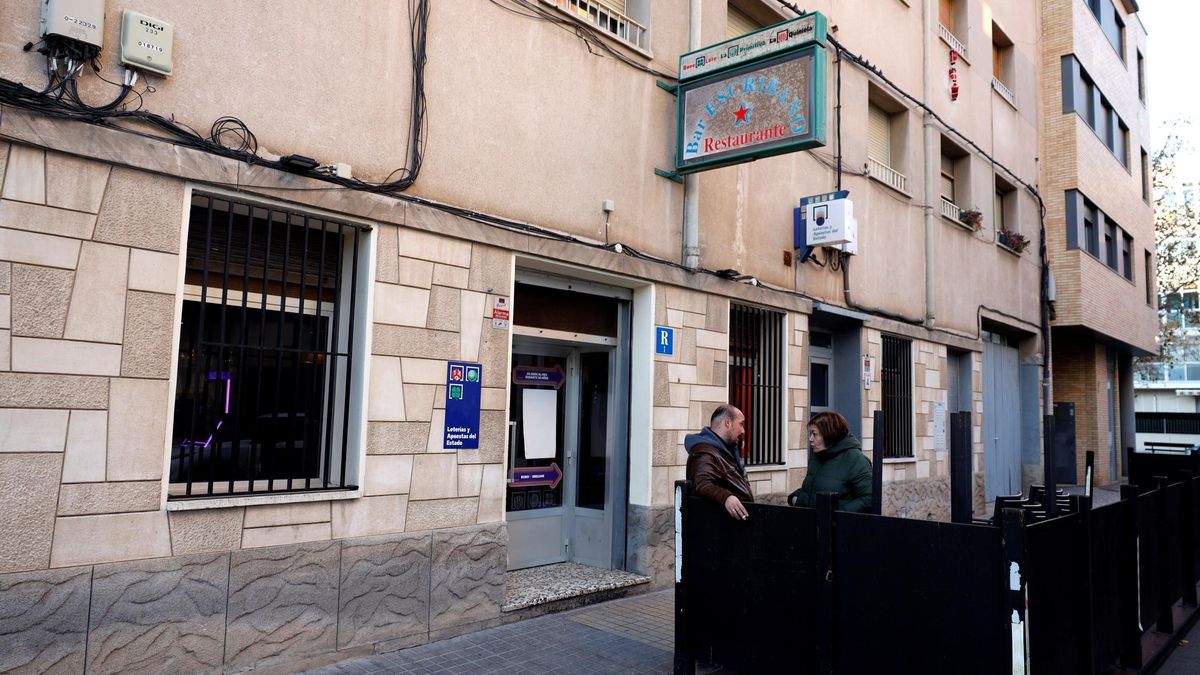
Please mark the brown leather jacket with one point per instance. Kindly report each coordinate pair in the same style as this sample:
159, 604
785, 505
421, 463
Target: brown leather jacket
715, 477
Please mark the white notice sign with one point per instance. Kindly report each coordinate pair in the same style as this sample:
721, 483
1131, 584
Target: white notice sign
939, 425
539, 417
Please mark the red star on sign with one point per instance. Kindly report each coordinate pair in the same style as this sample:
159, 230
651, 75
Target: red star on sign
741, 115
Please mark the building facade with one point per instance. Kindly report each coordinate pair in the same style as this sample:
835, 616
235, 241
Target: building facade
1100, 225
238, 401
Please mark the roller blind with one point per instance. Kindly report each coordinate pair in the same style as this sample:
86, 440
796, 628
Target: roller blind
739, 23
879, 135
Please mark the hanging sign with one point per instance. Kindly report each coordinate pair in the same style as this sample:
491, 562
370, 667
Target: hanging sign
758, 95
538, 376
463, 393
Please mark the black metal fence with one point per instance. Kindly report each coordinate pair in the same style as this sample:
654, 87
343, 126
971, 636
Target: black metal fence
813, 590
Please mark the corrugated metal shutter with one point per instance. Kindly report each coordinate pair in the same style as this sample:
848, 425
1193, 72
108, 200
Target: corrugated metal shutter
739, 23
879, 135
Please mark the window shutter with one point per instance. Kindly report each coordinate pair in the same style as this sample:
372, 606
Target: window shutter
948, 178
879, 135
739, 23
615, 5
946, 15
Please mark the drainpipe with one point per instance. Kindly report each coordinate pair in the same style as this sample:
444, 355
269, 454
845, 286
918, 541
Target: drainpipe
691, 182
931, 158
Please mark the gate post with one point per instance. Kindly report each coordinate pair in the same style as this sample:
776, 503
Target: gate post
826, 505
1166, 621
1013, 545
685, 660
1188, 541
1083, 506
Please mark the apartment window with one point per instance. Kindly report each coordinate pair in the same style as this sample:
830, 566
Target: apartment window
1004, 210
1127, 256
1111, 23
1110, 243
946, 11
1148, 275
1141, 76
269, 355
738, 23
948, 179
756, 380
1145, 176
885, 134
1081, 96
1002, 63
896, 379
626, 20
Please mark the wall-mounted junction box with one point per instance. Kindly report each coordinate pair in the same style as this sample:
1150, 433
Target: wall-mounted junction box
146, 43
81, 20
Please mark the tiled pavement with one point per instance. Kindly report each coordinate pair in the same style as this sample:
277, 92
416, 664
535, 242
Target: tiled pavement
631, 635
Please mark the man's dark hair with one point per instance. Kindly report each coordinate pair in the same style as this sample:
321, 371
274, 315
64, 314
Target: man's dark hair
724, 410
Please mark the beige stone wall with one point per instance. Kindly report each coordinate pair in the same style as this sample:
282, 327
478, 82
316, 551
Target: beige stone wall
916, 487
89, 255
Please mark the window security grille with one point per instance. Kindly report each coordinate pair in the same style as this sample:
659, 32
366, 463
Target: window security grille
896, 376
756, 380
266, 363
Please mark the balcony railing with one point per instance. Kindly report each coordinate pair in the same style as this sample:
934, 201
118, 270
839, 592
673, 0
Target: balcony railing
951, 210
887, 175
953, 41
1004, 91
605, 18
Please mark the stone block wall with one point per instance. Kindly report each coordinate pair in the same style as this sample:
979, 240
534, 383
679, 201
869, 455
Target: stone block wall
233, 611
89, 283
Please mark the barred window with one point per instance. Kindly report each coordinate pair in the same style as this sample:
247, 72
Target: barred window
896, 377
267, 369
756, 380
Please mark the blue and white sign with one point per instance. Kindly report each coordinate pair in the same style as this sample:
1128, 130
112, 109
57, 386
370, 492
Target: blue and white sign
463, 393
664, 340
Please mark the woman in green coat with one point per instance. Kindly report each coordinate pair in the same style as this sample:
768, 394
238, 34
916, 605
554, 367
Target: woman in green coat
837, 465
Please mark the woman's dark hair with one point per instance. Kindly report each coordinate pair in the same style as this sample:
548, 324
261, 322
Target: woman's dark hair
832, 427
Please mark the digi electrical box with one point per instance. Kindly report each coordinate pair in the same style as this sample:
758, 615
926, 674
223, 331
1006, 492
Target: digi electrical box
81, 20
146, 43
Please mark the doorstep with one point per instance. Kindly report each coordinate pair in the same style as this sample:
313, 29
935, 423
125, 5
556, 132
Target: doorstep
567, 584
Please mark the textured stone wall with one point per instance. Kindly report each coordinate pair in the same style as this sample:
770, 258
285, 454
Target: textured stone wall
238, 610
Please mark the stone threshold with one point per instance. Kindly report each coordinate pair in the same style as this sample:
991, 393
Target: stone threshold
550, 584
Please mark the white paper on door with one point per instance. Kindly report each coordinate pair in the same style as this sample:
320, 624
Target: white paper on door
539, 408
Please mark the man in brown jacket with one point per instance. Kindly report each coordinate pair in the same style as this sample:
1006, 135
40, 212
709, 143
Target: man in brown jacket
714, 465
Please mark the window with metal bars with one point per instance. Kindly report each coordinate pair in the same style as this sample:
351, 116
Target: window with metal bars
756, 380
267, 370
896, 377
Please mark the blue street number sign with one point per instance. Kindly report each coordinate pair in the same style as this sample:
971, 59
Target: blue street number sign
463, 383
664, 342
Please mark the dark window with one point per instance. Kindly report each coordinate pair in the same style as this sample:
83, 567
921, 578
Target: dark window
1089, 235
1081, 96
819, 379
1110, 244
1111, 24
896, 377
1141, 75
1127, 256
756, 380
266, 370
1148, 275
1145, 176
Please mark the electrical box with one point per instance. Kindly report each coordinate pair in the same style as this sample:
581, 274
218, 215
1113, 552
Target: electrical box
81, 20
832, 223
146, 43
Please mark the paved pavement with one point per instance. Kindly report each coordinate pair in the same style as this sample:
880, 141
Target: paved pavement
632, 635
1185, 660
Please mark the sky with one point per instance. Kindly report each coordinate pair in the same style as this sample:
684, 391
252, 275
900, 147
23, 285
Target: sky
1172, 55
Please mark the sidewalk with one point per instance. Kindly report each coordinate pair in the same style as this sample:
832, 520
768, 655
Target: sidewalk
631, 635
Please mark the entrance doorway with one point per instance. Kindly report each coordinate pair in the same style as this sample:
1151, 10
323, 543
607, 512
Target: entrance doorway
568, 433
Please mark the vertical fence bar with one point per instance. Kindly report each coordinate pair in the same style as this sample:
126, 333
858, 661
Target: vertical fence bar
685, 660
298, 359
262, 354
1049, 477
336, 329
1131, 626
1083, 506
349, 354
960, 467
320, 346
879, 431
826, 505
1013, 545
1166, 621
236, 392
1188, 541
198, 357
215, 445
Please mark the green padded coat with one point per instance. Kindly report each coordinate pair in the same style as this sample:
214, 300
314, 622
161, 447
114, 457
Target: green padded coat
843, 469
